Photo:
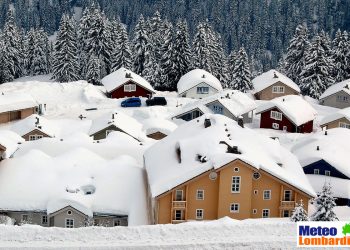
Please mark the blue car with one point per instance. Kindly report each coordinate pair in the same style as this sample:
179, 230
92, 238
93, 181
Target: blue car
131, 102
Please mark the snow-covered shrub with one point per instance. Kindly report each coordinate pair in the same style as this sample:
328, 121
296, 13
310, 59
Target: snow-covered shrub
299, 213
324, 204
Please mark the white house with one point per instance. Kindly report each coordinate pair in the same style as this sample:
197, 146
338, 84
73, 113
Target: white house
198, 84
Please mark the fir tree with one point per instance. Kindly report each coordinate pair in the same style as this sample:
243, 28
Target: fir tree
65, 64
93, 74
316, 76
299, 213
324, 204
201, 50
37, 52
122, 55
241, 76
341, 56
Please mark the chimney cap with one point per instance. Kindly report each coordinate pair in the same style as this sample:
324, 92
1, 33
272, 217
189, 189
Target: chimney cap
275, 75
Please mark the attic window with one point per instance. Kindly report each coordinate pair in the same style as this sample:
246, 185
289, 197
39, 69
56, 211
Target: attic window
213, 176
129, 87
256, 175
69, 212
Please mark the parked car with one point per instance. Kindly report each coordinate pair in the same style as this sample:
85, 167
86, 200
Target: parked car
156, 101
131, 102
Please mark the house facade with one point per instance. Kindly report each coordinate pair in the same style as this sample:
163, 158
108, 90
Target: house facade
235, 190
276, 90
130, 89
15, 115
339, 119
337, 95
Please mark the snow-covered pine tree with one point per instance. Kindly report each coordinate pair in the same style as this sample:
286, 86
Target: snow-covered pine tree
6, 65
182, 50
299, 213
316, 76
324, 204
219, 59
155, 32
93, 74
200, 48
295, 58
65, 59
341, 56
241, 75
230, 68
122, 55
37, 52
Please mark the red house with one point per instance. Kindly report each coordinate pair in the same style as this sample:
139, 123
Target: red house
288, 113
125, 83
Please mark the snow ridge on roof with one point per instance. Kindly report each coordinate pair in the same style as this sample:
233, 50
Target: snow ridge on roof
118, 78
16, 101
28, 124
194, 139
335, 88
9, 140
195, 77
153, 125
342, 113
294, 107
268, 78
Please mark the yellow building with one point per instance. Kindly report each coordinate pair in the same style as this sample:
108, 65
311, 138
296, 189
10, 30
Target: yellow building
210, 168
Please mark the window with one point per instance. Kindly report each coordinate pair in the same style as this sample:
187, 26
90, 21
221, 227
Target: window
35, 137
234, 208
96, 222
287, 195
202, 90
199, 214
24, 217
200, 194
255, 211
108, 131
178, 214
276, 115
130, 87
236, 183
44, 219
117, 223
236, 169
218, 109
341, 98
178, 195
275, 126
69, 212
256, 175
285, 213
316, 171
266, 213
69, 223
213, 176
327, 173
285, 128
344, 125
278, 89
267, 195
255, 191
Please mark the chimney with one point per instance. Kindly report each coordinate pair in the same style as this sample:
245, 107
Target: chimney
207, 123
112, 116
275, 75
318, 148
203, 76
231, 150
283, 99
128, 75
37, 120
240, 122
346, 86
325, 132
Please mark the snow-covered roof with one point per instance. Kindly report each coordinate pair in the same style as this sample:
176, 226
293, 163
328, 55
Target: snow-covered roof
340, 187
342, 113
9, 140
294, 107
195, 77
334, 148
37, 181
16, 101
153, 125
335, 88
236, 102
28, 124
271, 77
119, 77
194, 139
122, 121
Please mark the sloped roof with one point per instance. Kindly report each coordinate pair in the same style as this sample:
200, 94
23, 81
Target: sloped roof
16, 101
153, 125
10, 140
268, 78
118, 78
194, 139
342, 113
195, 77
27, 125
294, 107
337, 87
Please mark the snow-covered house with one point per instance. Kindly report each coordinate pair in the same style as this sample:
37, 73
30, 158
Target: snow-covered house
231, 103
324, 158
337, 95
215, 168
35, 127
272, 84
16, 106
9, 142
288, 113
74, 189
125, 83
339, 119
115, 121
157, 129
198, 84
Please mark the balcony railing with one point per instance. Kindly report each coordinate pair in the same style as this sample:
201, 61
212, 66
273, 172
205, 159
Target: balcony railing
179, 204
287, 204
177, 221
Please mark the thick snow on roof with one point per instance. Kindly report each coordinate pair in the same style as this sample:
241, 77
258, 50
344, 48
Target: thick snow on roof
37, 181
335, 88
334, 148
126, 123
118, 78
16, 101
195, 77
268, 78
9, 140
342, 113
28, 124
340, 187
193, 139
294, 107
236, 102
153, 125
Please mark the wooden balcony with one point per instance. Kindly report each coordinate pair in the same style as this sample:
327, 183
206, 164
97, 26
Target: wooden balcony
287, 205
179, 204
